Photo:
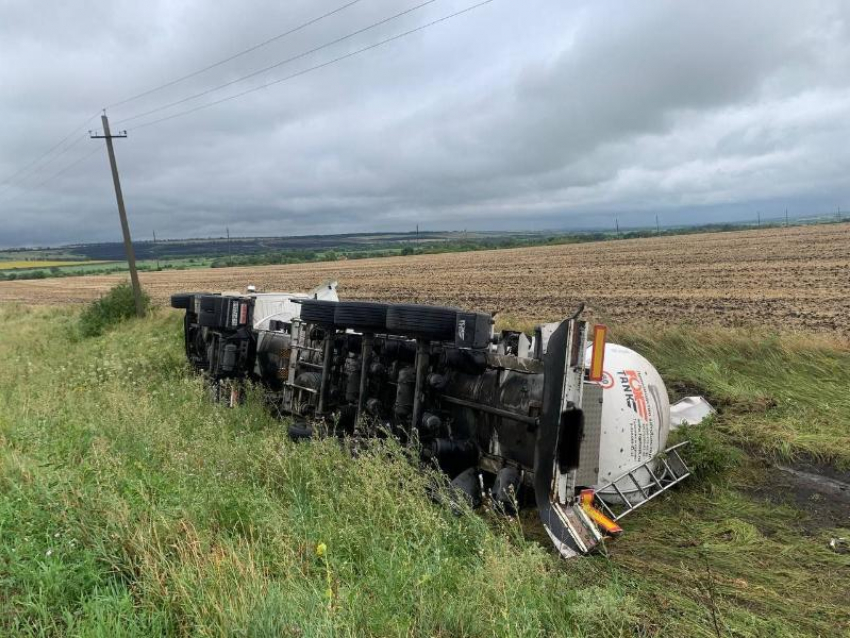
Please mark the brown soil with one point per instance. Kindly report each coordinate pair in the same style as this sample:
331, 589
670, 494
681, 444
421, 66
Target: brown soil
781, 278
821, 493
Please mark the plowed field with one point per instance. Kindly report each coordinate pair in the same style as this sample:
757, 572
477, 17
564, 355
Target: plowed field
797, 277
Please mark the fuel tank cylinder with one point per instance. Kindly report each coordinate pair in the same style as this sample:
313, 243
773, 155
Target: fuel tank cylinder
635, 416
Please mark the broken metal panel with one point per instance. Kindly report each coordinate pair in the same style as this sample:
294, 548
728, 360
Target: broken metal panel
542, 335
523, 347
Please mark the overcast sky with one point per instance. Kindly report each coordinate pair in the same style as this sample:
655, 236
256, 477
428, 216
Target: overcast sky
532, 114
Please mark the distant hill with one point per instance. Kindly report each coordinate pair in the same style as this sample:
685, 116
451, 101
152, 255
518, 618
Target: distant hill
221, 246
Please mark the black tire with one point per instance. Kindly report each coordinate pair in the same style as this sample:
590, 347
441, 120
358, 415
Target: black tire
183, 300
435, 323
318, 311
465, 485
300, 432
363, 316
505, 488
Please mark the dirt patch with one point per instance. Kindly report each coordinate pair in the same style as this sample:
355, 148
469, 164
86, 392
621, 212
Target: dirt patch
822, 494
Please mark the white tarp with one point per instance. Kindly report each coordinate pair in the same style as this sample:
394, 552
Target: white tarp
690, 411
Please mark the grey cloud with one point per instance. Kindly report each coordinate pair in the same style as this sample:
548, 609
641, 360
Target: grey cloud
538, 114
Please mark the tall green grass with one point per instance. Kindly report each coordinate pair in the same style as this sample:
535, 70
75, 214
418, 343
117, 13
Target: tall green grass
783, 395
717, 561
130, 505
114, 307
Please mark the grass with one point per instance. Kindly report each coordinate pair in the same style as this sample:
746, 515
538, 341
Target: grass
782, 395
114, 307
726, 563
130, 505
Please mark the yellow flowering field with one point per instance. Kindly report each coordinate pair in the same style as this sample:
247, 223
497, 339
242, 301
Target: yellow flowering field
19, 264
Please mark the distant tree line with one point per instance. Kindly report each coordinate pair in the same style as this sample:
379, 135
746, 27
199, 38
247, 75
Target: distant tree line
74, 271
425, 246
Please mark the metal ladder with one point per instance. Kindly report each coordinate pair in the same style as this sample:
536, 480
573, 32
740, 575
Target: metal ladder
674, 471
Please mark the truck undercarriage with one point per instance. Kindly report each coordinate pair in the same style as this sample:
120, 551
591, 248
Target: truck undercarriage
504, 415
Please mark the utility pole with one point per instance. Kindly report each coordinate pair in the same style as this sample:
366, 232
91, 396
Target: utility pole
229, 251
122, 213
156, 254
617, 224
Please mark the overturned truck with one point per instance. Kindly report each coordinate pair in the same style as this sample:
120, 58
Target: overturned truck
560, 418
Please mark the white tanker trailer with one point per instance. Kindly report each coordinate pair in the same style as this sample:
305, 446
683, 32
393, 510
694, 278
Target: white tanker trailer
559, 418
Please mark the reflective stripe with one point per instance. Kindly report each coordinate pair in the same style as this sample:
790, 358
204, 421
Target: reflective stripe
598, 358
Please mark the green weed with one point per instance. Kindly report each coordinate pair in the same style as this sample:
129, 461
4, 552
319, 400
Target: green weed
132, 505
114, 307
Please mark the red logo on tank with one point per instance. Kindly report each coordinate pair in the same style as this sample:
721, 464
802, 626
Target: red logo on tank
635, 395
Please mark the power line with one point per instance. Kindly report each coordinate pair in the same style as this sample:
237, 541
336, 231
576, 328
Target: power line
79, 139
241, 94
24, 169
276, 64
316, 67
7, 182
62, 171
234, 56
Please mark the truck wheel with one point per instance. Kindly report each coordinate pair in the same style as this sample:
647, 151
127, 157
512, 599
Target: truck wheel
465, 485
363, 316
318, 311
300, 432
183, 300
435, 323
